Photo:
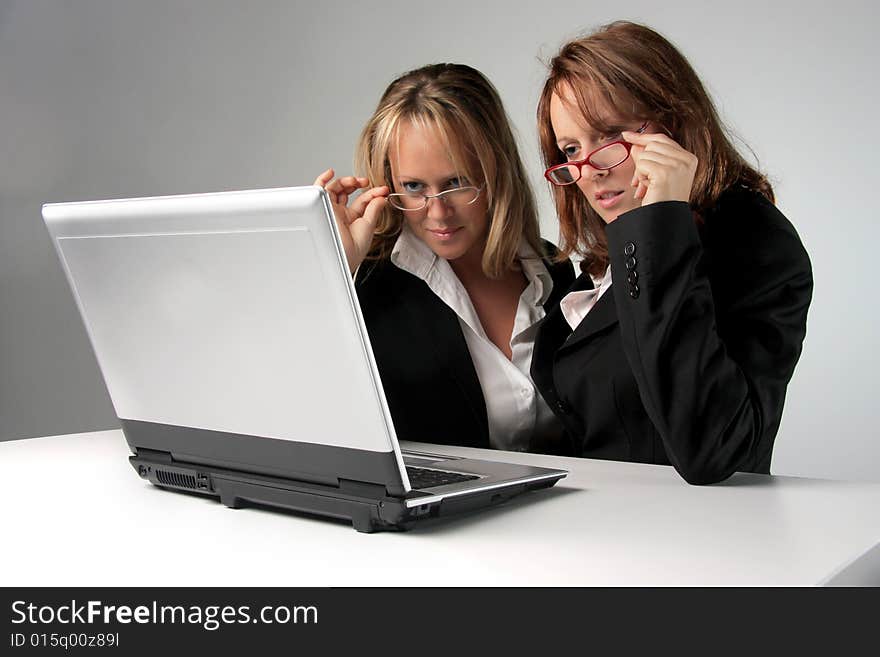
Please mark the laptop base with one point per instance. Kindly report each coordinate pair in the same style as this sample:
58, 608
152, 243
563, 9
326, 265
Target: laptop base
367, 506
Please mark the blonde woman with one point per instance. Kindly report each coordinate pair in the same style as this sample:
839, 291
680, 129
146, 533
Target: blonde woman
451, 273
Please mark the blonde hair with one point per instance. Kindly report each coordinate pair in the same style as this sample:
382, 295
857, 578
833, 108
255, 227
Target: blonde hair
466, 111
639, 74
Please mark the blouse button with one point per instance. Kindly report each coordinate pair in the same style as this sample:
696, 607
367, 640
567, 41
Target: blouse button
629, 249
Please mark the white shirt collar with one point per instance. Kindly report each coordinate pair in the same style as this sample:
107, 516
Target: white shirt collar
576, 305
414, 256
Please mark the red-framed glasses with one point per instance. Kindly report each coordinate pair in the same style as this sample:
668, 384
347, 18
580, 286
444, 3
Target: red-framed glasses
605, 157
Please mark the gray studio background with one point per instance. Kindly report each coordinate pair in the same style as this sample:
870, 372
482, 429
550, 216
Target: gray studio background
118, 98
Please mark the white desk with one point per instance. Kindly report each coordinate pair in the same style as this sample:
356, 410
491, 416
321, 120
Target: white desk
75, 513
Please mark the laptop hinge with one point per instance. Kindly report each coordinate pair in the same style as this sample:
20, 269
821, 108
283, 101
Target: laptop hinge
374, 491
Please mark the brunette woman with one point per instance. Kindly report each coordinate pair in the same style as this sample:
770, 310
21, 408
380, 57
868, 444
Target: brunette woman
677, 342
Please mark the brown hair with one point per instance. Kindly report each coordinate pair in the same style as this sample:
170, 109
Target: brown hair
643, 77
465, 109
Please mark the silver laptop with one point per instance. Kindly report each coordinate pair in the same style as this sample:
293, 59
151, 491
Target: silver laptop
230, 338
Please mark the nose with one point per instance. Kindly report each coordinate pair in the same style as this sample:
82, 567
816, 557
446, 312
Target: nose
597, 174
438, 208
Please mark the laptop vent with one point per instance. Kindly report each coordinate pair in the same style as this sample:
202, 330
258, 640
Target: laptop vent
176, 479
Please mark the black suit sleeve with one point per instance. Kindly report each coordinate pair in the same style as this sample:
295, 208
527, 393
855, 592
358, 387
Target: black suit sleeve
711, 329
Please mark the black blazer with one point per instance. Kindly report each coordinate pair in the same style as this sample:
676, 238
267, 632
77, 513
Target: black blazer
686, 359
430, 382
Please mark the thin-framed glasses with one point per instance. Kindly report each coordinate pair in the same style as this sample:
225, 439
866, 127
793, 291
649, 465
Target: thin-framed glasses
457, 197
607, 156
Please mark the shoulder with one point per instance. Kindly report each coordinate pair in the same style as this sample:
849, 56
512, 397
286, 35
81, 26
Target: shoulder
562, 272
379, 272
753, 250
381, 284
749, 215
748, 226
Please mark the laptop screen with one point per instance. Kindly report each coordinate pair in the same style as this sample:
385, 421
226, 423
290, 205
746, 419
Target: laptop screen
229, 312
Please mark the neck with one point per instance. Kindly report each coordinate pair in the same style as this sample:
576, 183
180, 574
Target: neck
470, 265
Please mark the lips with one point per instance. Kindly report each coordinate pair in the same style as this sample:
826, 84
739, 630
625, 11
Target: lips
606, 194
608, 198
444, 233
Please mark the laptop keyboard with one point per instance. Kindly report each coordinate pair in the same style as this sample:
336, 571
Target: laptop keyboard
425, 478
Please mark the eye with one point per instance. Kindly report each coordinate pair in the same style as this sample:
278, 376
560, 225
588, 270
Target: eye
411, 187
455, 183
570, 151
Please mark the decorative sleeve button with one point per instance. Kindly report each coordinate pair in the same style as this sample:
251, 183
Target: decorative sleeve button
632, 276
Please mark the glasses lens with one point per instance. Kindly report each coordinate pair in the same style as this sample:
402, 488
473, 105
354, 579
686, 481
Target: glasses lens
565, 175
460, 196
406, 201
608, 157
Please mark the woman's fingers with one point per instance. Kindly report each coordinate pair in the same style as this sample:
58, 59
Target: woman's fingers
661, 177
339, 189
349, 184
367, 205
343, 185
656, 143
664, 171
645, 138
360, 204
662, 159
324, 178
362, 230
635, 153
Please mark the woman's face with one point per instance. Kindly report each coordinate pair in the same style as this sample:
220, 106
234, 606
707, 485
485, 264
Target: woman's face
609, 192
420, 164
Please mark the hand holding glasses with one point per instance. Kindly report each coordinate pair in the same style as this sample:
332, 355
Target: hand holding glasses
356, 221
603, 158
